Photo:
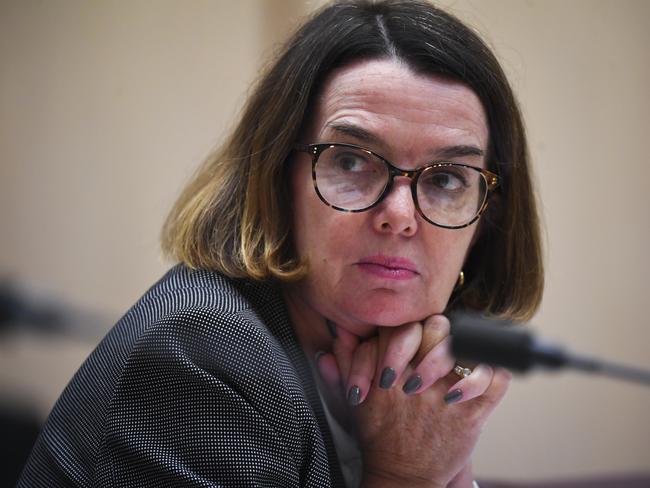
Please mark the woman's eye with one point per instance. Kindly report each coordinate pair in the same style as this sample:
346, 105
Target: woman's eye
446, 181
350, 162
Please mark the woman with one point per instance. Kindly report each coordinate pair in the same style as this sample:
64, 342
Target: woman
378, 178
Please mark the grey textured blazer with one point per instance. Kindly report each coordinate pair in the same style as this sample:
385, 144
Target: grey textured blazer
202, 383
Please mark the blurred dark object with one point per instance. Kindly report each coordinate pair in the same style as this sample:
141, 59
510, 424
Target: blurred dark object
20, 427
25, 311
499, 343
17, 308
22, 309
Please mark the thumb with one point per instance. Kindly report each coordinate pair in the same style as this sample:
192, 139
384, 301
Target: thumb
328, 370
334, 367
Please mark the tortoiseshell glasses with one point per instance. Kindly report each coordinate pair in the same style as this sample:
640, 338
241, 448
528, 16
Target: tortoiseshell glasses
350, 178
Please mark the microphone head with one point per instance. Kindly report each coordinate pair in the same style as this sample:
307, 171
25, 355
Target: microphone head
491, 341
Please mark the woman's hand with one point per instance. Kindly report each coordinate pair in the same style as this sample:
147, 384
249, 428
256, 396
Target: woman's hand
417, 421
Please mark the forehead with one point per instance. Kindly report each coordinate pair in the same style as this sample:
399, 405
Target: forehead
388, 100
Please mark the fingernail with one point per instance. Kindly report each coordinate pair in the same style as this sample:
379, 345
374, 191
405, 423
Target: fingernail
318, 355
331, 327
412, 384
387, 378
354, 396
453, 396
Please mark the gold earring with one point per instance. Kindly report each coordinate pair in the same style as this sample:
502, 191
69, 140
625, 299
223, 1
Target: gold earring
461, 280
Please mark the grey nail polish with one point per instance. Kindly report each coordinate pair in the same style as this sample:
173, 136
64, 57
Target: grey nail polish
453, 396
412, 384
354, 396
387, 378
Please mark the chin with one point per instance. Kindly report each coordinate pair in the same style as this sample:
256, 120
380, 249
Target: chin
389, 315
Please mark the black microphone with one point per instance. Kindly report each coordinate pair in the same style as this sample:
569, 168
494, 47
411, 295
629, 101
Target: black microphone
503, 343
24, 310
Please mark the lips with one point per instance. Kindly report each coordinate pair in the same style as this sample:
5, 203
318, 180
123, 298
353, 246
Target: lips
390, 267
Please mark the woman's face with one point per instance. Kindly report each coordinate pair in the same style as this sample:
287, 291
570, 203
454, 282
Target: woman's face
386, 266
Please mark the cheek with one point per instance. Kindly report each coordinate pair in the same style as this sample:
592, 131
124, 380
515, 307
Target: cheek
324, 236
311, 233
458, 246
446, 253
320, 233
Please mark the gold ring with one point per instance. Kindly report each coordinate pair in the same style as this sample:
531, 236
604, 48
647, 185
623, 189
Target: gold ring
461, 371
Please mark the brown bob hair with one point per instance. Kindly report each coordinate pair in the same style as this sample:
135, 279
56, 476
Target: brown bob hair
234, 216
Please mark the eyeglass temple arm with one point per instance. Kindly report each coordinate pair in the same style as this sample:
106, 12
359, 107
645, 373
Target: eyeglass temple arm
492, 180
303, 148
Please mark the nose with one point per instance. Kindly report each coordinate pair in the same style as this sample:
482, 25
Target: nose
397, 214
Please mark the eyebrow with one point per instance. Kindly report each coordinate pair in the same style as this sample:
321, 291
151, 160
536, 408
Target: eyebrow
356, 132
448, 152
459, 151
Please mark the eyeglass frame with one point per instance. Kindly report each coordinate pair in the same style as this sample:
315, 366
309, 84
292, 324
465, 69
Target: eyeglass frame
315, 150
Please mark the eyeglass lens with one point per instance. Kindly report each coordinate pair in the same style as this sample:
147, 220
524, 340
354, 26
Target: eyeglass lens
353, 179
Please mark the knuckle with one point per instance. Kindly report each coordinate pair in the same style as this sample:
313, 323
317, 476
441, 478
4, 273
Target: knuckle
410, 330
404, 343
436, 328
500, 382
505, 375
400, 352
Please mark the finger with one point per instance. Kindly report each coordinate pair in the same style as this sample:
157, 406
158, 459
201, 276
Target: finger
433, 359
438, 362
362, 372
435, 328
329, 371
343, 348
472, 386
498, 387
401, 345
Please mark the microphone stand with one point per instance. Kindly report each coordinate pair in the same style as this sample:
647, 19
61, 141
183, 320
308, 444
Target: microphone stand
502, 343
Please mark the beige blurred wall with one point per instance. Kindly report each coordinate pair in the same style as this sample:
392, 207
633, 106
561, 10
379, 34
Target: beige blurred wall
582, 72
107, 107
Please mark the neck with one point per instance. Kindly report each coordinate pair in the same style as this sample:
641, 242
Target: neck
314, 336
310, 327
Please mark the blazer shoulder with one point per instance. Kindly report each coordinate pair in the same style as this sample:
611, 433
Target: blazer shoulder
218, 379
